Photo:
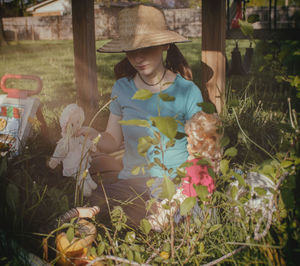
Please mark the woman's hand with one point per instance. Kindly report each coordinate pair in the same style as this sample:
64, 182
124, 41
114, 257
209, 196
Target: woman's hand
90, 132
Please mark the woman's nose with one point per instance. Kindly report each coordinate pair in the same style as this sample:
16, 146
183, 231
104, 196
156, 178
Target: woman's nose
137, 56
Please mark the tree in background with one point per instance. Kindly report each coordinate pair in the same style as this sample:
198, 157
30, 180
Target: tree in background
2, 39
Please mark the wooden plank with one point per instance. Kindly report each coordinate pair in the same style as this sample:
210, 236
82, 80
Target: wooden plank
85, 55
46, 14
213, 51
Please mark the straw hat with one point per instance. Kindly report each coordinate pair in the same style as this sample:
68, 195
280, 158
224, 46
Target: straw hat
141, 26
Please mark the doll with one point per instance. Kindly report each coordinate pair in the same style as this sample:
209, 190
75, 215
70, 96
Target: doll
203, 143
73, 151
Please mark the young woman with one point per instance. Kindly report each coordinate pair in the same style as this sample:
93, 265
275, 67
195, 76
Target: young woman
144, 37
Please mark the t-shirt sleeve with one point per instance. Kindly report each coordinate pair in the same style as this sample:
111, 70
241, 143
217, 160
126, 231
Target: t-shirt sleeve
194, 97
115, 106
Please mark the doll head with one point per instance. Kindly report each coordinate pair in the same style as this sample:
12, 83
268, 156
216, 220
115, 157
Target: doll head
203, 137
71, 119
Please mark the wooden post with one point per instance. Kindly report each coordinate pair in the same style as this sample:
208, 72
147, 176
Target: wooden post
213, 51
85, 55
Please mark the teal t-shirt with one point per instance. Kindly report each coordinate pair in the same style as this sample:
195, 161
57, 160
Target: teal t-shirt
186, 94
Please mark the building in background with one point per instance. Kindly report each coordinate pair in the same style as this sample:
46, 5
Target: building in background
50, 8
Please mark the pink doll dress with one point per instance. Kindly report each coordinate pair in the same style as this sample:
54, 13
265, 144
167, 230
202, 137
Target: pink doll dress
198, 175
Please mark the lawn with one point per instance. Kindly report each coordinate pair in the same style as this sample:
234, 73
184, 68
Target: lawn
53, 62
261, 133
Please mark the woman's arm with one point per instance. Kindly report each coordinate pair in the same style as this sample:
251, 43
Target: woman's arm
112, 138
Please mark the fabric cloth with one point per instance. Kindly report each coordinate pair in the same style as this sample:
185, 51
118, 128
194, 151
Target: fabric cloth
198, 175
186, 94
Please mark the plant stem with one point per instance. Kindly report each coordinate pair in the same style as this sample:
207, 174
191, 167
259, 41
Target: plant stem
172, 236
116, 259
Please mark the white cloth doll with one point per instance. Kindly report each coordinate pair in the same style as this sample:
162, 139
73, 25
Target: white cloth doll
73, 151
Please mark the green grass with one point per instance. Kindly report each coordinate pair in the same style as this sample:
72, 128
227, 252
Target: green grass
53, 62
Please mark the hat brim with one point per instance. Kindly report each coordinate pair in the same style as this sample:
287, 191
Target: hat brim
142, 41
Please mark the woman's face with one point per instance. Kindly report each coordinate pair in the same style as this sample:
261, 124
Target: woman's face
147, 61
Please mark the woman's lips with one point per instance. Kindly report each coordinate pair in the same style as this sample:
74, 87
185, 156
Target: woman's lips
142, 67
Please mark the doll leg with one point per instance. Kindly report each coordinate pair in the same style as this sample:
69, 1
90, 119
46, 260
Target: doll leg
87, 191
160, 217
90, 182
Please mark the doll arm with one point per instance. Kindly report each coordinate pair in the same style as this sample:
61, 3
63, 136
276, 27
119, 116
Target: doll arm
89, 144
59, 154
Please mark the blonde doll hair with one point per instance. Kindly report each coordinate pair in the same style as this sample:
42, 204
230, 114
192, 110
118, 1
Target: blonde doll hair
204, 138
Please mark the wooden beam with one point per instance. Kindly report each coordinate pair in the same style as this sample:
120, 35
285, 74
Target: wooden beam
85, 55
213, 51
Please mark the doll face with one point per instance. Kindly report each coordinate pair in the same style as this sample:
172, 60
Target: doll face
74, 123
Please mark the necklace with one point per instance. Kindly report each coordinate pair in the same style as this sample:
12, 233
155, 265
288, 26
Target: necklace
154, 83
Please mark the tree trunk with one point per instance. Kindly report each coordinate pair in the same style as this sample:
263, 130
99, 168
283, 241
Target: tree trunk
213, 51
85, 55
2, 38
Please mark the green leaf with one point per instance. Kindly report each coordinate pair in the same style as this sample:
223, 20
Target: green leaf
166, 97
260, 191
201, 191
286, 164
203, 162
201, 247
129, 255
224, 141
170, 143
239, 178
232, 152
180, 135
145, 226
215, 228
142, 95
297, 52
130, 237
186, 164
143, 145
150, 182
166, 247
187, 205
93, 251
268, 170
253, 18
135, 122
246, 28
168, 188
261, 68
211, 172
224, 166
70, 233
166, 125
207, 107
242, 211
137, 257
233, 192
234, 103
157, 161
100, 248
135, 170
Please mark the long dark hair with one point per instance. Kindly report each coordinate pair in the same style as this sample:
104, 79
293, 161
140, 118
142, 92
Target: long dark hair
175, 62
